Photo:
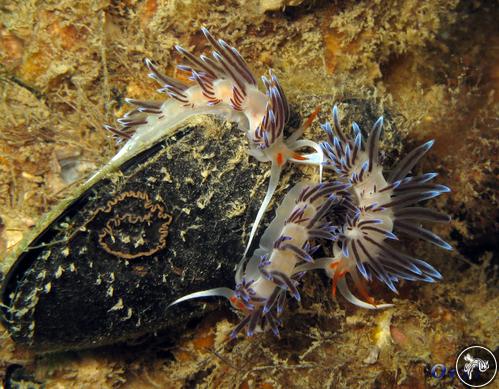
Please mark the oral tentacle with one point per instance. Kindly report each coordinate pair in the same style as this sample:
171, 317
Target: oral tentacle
275, 174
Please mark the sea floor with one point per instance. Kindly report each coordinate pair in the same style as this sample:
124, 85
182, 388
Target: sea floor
432, 66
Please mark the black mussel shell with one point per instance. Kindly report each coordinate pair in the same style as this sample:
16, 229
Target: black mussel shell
167, 222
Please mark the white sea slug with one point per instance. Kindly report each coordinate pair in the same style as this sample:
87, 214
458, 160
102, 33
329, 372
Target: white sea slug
262, 282
380, 208
222, 85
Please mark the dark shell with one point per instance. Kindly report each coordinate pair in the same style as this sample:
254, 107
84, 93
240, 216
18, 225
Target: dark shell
168, 222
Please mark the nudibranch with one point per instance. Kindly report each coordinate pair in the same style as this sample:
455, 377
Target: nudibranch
378, 209
262, 282
222, 85
355, 217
